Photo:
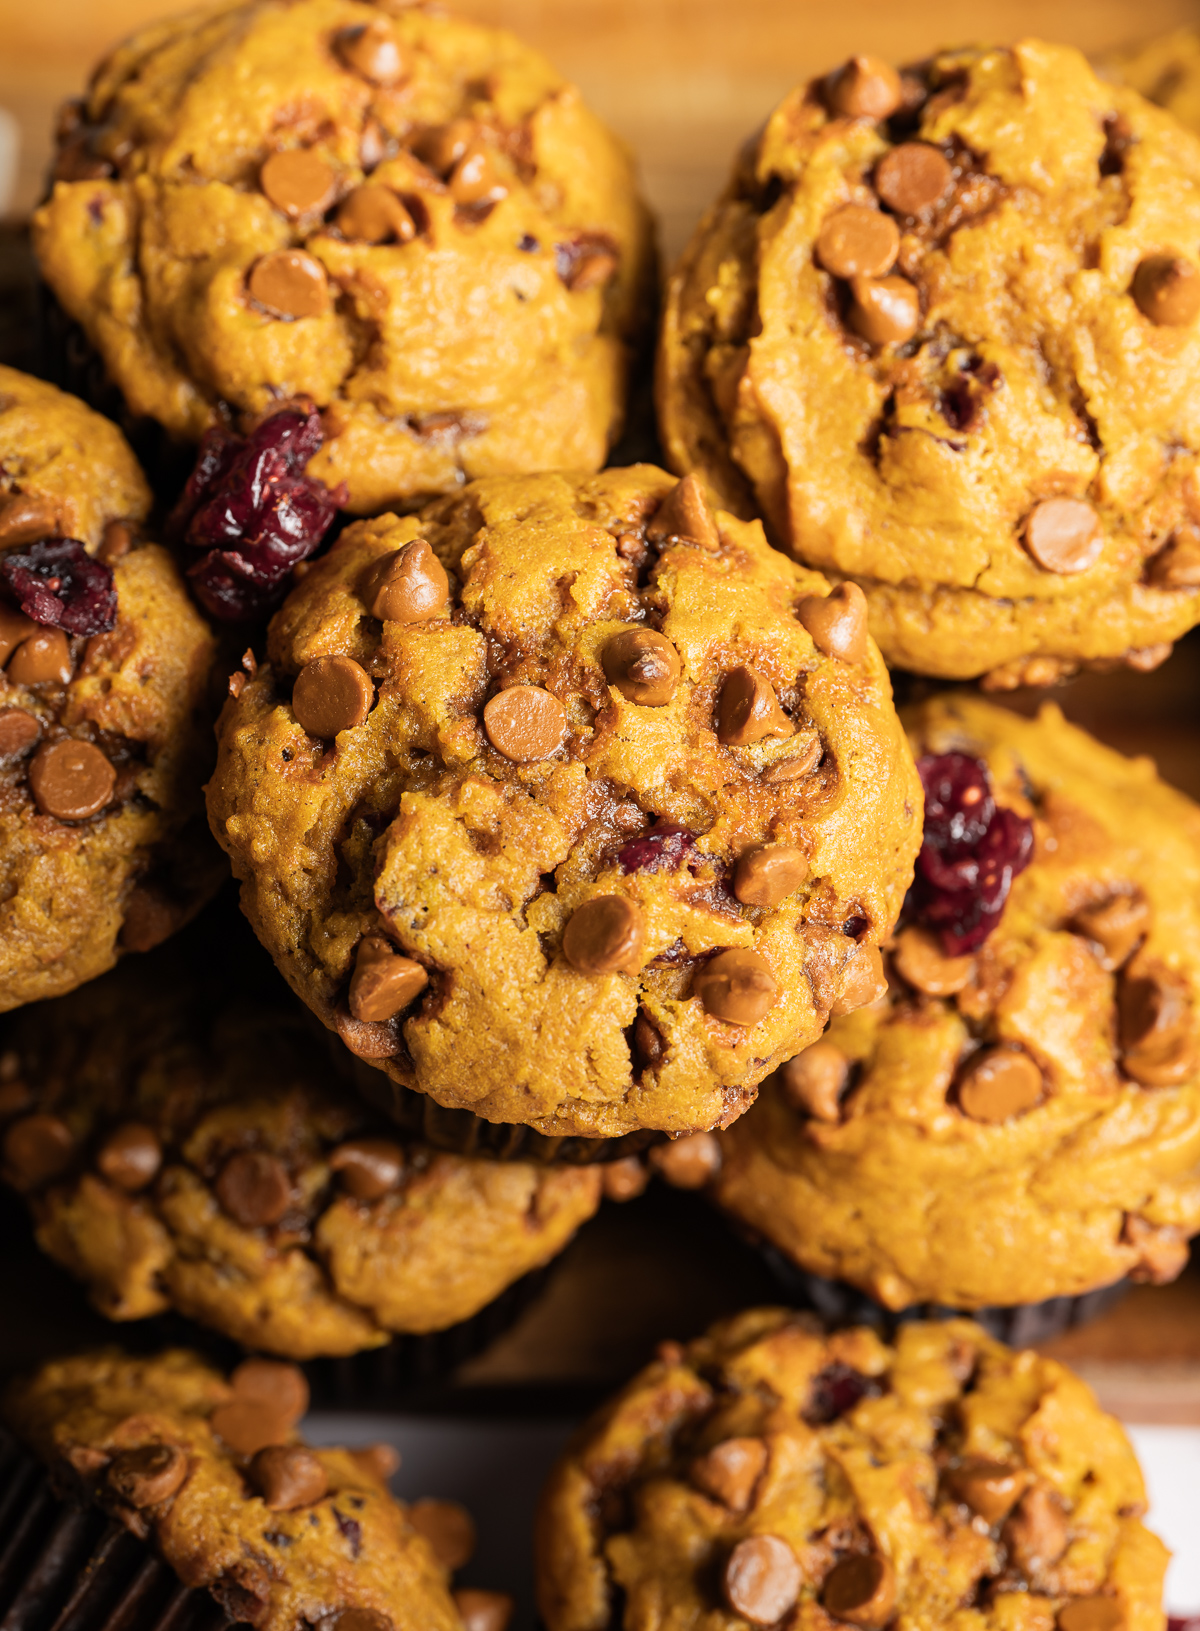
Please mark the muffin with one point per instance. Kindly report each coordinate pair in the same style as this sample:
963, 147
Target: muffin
405, 217
104, 730
1165, 70
769, 1472
181, 1145
1019, 1118
940, 330
162, 1485
570, 802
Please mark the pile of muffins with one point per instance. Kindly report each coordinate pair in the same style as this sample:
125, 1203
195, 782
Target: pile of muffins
579, 836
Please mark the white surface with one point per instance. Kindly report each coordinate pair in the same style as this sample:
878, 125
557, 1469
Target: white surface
496, 1468
1170, 1458
9, 137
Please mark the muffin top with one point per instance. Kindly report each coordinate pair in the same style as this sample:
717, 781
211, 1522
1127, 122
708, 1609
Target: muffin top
181, 1143
212, 1472
551, 803
983, 270
1020, 1117
1165, 70
104, 663
405, 217
770, 1472
65, 472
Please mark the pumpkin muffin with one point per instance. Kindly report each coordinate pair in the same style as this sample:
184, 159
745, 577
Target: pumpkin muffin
104, 664
180, 1143
570, 802
770, 1473
404, 217
941, 331
1019, 1119
1165, 70
176, 1486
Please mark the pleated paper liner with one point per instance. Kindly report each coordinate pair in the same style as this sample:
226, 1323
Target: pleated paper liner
69, 1567
1023, 1325
462, 1133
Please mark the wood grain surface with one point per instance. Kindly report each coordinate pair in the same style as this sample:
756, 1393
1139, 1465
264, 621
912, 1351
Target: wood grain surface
682, 80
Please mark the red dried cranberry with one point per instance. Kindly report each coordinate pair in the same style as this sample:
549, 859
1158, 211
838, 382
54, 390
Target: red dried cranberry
836, 1389
249, 504
662, 849
58, 584
971, 853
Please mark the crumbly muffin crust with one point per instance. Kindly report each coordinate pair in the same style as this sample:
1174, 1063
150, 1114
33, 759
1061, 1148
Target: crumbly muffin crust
769, 1472
1023, 1122
181, 1145
405, 217
213, 1475
993, 429
103, 739
504, 882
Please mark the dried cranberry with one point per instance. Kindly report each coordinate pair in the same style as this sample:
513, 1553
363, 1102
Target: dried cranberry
249, 505
971, 853
836, 1389
662, 849
351, 1529
58, 584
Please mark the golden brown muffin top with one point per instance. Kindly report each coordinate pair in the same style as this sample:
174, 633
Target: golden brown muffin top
983, 271
769, 1473
406, 217
579, 783
212, 1472
1165, 70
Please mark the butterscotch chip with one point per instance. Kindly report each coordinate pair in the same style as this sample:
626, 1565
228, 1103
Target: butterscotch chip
863, 982
1163, 1250
795, 765
273, 1382
331, 695
119, 539
71, 780
37, 1148
27, 517
920, 960
643, 665
748, 709
484, 1610
254, 1188
815, 1080
767, 876
14, 628
249, 1425
864, 88
624, 1180
383, 983
361, 1619
688, 1162
42, 659
991, 1488
1037, 1532
913, 178
131, 1156
737, 986
730, 1471
761, 1579
1092, 1614
1117, 926
1000, 1083
525, 723
605, 935
368, 1167
476, 179
443, 146
287, 1476
1064, 535
18, 732
857, 241
371, 49
409, 586
298, 181
685, 513
837, 622
381, 1461
290, 284
372, 214
885, 311
1177, 564
1156, 1024
448, 1527
1167, 290
861, 1591
147, 1475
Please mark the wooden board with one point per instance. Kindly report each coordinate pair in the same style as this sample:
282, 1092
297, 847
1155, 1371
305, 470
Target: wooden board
682, 80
